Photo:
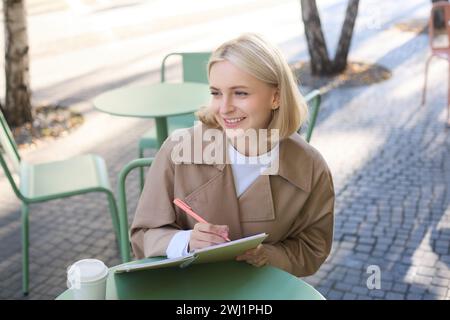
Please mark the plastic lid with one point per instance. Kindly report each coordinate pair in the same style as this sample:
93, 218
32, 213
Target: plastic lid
87, 270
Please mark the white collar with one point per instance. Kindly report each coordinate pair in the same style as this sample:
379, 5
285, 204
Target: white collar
262, 160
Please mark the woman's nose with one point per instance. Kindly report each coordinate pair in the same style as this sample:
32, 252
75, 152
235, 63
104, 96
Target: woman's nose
226, 105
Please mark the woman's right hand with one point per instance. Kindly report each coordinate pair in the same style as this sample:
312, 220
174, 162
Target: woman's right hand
205, 235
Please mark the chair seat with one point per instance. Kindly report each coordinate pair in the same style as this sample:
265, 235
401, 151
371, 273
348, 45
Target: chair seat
148, 139
41, 182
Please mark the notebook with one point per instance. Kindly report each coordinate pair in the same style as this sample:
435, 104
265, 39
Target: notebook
221, 252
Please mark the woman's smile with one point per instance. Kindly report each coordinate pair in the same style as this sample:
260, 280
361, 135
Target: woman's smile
233, 122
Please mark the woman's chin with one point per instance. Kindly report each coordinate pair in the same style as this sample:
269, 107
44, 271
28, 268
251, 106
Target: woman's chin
233, 133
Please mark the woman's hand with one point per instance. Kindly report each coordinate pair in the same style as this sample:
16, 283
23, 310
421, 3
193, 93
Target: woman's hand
256, 257
205, 235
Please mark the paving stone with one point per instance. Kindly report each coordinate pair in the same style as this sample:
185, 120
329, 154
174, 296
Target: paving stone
426, 271
438, 291
429, 296
423, 280
394, 296
414, 296
400, 287
334, 295
360, 290
349, 296
443, 273
417, 290
342, 286
378, 294
440, 282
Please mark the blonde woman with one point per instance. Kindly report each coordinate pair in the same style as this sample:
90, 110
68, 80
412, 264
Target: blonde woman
253, 90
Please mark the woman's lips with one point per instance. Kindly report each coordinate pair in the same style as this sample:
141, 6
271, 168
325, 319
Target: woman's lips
233, 122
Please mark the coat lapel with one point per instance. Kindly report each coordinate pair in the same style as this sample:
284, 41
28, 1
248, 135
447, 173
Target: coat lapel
216, 200
256, 203
217, 203
295, 165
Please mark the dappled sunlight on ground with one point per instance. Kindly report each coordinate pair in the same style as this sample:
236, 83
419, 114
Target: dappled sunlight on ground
347, 150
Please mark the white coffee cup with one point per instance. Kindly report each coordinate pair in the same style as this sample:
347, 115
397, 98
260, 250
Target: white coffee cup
87, 279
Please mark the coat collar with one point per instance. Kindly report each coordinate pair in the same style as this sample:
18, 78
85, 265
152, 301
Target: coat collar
295, 156
296, 163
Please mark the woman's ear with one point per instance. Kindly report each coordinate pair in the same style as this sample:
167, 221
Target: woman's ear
276, 99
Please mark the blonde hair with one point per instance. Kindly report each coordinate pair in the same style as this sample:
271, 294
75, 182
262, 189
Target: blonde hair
256, 56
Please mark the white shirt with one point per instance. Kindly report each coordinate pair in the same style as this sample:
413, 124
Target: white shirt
245, 171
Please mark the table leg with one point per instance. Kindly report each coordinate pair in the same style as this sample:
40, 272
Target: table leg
161, 130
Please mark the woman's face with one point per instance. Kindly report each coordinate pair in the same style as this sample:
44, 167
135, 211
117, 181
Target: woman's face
239, 100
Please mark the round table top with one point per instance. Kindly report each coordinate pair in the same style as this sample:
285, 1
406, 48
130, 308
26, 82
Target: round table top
154, 100
221, 280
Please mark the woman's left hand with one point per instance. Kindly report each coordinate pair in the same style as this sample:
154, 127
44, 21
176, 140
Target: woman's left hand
256, 257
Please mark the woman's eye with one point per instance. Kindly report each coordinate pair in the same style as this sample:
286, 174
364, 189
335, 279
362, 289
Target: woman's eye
241, 93
214, 93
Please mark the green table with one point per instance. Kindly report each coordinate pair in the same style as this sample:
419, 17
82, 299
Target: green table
157, 101
222, 281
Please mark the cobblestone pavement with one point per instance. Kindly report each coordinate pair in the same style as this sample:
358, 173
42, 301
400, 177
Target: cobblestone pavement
389, 158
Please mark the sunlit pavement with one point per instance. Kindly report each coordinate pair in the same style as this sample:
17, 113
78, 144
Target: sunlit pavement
389, 156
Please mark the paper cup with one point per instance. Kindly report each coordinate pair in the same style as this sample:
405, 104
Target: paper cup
87, 279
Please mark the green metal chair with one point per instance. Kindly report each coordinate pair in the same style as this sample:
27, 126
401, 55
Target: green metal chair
313, 99
123, 213
52, 180
194, 70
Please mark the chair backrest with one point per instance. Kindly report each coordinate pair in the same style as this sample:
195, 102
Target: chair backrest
445, 8
10, 151
194, 66
313, 99
5, 129
122, 201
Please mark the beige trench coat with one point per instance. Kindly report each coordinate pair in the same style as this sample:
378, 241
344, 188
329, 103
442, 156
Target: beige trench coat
295, 206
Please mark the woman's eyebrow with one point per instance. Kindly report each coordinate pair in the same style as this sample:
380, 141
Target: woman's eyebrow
234, 87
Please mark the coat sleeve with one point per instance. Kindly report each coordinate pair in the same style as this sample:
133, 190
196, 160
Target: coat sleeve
154, 221
308, 245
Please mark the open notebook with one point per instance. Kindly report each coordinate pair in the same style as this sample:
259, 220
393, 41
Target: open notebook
221, 252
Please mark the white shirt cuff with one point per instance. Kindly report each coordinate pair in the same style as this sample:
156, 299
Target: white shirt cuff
178, 246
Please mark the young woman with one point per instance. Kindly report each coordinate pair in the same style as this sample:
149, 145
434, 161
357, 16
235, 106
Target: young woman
253, 90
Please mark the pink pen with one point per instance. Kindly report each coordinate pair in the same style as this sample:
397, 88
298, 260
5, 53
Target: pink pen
183, 206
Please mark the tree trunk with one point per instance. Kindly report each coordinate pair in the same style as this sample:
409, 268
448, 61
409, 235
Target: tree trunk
321, 64
317, 47
340, 59
18, 94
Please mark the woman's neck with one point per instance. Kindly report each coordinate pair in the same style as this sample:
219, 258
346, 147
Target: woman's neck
252, 148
